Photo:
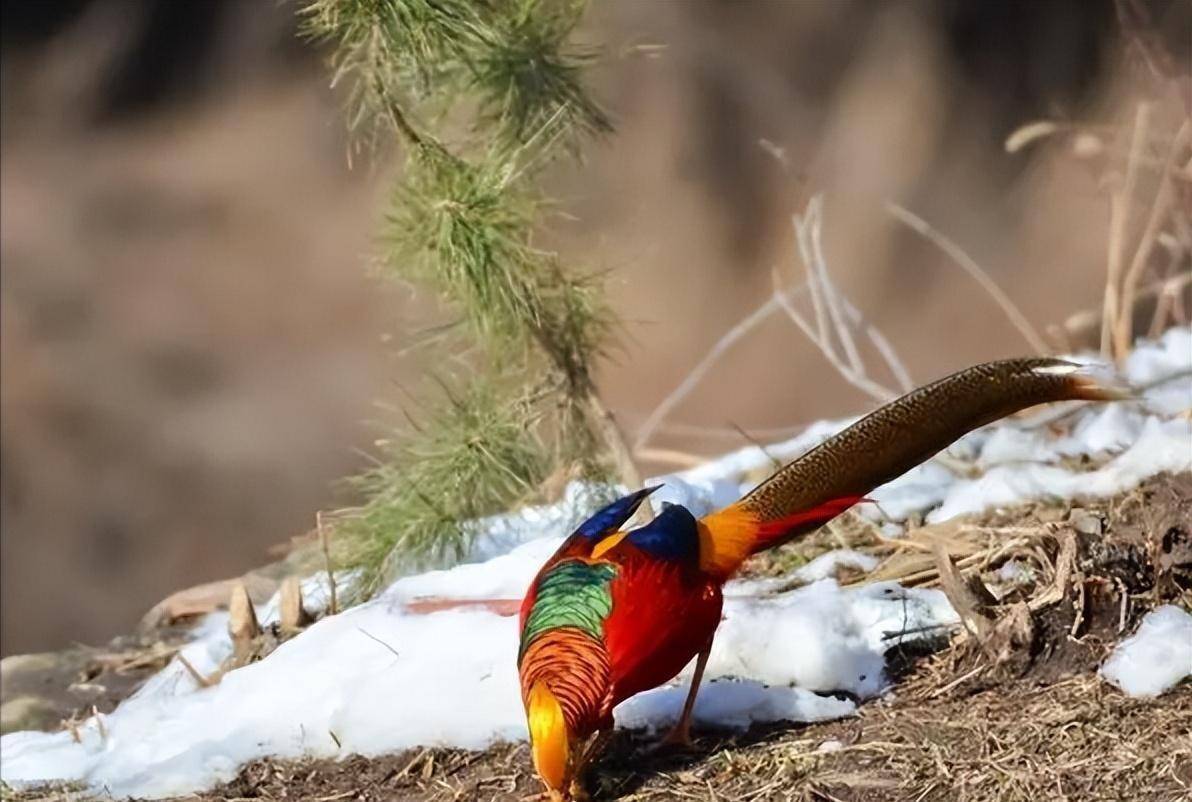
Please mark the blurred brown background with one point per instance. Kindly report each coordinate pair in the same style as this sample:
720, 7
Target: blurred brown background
192, 347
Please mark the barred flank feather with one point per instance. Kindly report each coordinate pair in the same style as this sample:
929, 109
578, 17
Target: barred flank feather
574, 667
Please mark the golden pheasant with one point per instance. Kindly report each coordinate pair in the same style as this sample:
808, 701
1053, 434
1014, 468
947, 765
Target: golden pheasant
613, 613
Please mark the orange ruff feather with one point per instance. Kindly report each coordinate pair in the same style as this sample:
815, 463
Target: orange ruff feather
729, 536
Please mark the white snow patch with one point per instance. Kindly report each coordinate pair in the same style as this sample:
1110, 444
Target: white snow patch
497, 534
733, 704
1016, 572
822, 637
822, 567
504, 577
826, 565
1155, 658
1162, 445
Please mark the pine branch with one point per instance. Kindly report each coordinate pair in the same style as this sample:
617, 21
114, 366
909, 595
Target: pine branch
462, 221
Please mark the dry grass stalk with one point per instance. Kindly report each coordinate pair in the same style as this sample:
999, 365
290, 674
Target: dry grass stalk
333, 600
99, 725
670, 456
1169, 304
697, 373
808, 233
833, 332
1119, 213
1064, 568
1029, 133
727, 433
1123, 327
970, 601
835, 317
155, 656
970, 266
912, 559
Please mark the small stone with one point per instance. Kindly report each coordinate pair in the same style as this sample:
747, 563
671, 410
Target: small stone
28, 713
16, 664
1085, 522
89, 691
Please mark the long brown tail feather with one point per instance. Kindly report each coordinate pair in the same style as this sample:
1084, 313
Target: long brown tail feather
895, 438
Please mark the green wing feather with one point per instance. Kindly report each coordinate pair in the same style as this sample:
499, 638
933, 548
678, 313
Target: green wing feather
571, 594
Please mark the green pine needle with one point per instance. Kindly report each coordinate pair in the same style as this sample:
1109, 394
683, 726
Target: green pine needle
513, 56
529, 80
465, 229
472, 457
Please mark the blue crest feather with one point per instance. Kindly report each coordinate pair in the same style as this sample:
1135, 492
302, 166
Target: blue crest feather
613, 516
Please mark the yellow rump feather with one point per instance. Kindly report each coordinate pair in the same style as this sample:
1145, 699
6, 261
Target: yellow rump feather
549, 742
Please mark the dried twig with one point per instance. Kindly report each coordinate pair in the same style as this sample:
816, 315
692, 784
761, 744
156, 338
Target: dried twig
811, 226
835, 321
196, 675
1026, 134
378, 640
970, 266
830, 307
970, 607
1124, 326
858, 380
775, 463
726, 432
888, 354
103, 730
1166, 304
727, 341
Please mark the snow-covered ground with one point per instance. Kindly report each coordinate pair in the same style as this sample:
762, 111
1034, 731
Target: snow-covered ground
379, 678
